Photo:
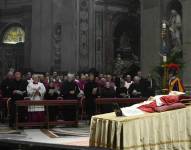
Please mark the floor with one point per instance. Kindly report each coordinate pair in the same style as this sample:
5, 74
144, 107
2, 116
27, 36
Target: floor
78, 136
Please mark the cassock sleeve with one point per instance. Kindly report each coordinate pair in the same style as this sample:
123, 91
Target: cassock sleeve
130, 90
77, 91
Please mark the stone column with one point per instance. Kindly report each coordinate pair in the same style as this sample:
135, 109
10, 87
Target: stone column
41, 35
150, 35
67, 14
27, 21
84, 34
187, 41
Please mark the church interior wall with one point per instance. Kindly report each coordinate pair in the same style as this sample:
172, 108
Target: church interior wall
12, 14
152, 15
53, 30
186, 41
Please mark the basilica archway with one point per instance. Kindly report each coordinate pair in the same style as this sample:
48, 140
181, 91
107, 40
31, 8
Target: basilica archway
12, 48
176, 5
126, 37
112, 20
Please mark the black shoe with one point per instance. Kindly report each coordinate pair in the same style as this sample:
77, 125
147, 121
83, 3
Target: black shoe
117, 109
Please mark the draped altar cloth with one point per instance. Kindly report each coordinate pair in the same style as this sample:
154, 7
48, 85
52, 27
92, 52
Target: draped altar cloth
150, 131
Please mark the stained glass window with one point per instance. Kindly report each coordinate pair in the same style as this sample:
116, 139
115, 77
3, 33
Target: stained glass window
14, 35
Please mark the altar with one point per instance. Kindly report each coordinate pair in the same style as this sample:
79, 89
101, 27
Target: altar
167, 131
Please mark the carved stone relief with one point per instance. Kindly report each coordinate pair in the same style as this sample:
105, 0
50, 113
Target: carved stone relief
57, 36
83, 33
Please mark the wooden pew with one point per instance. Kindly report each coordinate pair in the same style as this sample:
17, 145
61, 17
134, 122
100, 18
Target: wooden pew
46, 104
121, 101
4, 108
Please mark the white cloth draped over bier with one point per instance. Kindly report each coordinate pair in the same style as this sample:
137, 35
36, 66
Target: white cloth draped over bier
31, 90
133, 110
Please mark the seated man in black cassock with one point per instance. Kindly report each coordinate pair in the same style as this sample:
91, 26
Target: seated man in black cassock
107, 91
52, 93
70, 91
18, 93
135, 89
6, 92
90, 91
121, 90
150, 86
6, 85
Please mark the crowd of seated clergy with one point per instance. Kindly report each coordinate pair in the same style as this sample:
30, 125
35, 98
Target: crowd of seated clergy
69, 86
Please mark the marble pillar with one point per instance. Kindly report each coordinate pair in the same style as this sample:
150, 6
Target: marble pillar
187, 42
150, 35
41, 35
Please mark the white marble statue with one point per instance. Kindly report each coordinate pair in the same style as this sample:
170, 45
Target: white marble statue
175, 24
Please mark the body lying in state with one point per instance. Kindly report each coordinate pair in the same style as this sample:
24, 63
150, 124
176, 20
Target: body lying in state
158, 103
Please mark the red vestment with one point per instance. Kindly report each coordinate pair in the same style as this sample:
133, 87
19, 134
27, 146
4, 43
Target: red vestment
166, 100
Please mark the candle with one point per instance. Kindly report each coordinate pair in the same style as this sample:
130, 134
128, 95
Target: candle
164, 59
164, 25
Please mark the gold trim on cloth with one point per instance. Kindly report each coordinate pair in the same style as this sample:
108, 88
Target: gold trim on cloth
151, 131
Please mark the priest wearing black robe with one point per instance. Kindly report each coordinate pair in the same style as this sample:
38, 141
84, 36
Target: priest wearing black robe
52, 93
107, 91
136, 89
18, 93
6, 85
69, 91
90, 91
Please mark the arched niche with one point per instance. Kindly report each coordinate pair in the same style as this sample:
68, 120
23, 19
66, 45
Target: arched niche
13, 34
176, 5
128, 23
127, 29
12, 42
